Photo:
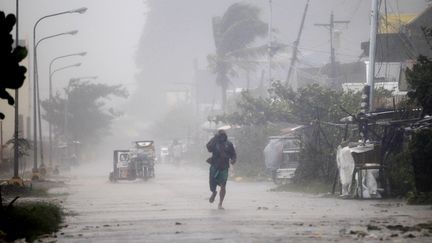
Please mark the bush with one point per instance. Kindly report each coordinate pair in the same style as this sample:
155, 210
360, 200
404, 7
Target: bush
421, 151
419, 198
313, 187
250, 142
401, 174
318, 154
29, 220
10, 191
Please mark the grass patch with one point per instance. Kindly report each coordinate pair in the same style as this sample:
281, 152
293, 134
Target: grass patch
312, 187
23, 191
419, 198
29, 220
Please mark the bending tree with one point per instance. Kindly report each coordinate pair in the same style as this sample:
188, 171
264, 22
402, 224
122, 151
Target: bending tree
84, 114
239, 27
420, 81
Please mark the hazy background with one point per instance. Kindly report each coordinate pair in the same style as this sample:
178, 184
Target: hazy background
150, 46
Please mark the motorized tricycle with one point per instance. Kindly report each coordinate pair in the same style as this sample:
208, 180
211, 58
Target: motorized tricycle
137, 162
282, 157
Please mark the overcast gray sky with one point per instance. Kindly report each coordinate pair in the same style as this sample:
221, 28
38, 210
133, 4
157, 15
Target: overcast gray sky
178, 31
109, 31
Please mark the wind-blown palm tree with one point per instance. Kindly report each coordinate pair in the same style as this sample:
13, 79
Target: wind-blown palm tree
233, 33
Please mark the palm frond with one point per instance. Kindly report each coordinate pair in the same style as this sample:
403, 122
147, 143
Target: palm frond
241, 34
259, 51
216, 26
237, 12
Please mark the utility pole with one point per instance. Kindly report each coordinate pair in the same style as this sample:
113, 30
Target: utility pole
196, 69
296, 44
372, 50
42, 168
270, 39
331, 27
16, 137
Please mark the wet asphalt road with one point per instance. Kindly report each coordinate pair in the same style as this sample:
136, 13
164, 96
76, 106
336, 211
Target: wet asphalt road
174, 207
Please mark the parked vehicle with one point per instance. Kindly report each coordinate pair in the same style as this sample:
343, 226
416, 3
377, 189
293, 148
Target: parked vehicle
282, 157
134, 163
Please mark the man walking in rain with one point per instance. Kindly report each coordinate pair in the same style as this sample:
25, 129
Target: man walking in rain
222, 152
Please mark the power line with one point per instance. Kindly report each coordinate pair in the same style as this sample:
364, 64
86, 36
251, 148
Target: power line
296, 44
331, 26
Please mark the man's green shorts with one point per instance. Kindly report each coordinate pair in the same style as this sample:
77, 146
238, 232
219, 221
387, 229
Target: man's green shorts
218, 177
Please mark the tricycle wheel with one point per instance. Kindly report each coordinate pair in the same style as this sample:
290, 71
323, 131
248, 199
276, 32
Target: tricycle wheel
145, 173
111, 177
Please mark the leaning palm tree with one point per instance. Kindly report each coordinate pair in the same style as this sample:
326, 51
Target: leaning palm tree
233, 33
23, 145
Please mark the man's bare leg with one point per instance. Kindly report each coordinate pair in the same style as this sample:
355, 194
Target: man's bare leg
212, 197
221, 196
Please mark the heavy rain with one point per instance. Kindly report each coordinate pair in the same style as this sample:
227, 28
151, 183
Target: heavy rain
216, 121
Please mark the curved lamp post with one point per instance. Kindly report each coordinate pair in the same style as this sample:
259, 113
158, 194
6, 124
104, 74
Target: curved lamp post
73, 32
63, 68
82, 78
80, 11
51, 73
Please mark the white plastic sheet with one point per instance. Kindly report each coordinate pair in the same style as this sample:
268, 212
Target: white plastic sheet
345, 163
273, 155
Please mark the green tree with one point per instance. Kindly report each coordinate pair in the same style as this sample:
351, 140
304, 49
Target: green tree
313, 106
249, 110
12, 74
23, 145
301, 107
318, 108
233, 34
420, 81
250, 141
84, 113
420, 148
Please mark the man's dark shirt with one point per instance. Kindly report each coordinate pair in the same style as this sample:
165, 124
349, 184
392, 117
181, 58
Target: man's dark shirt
222, 152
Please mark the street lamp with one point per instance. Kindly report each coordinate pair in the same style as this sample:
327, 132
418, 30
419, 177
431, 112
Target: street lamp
50, 78
51, 98
52, 72
80, 11
73, 32
82, 78
65, 67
